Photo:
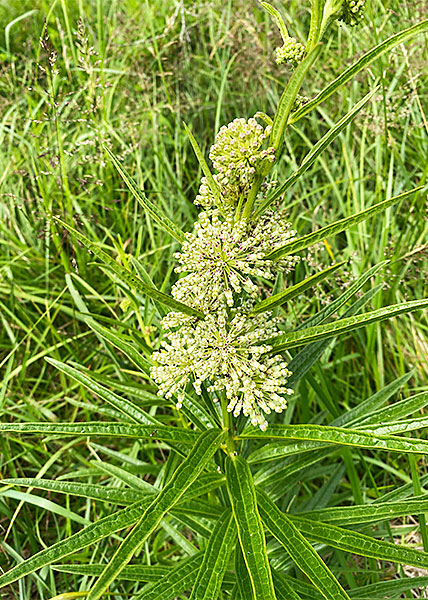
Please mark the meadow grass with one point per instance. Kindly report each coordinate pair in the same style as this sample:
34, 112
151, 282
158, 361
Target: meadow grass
127, 75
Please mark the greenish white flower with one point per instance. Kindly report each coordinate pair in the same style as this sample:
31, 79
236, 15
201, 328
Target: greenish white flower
292, 51
352, 11
223, 256
224, 351
237, 154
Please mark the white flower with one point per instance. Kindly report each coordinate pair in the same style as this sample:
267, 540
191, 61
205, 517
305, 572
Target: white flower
222, 257
227, 354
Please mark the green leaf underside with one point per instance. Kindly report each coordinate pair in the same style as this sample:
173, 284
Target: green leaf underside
217, 552
313, 154
337, 227
207, 444
301, 551
242, 496
287, 99
295, 290
163, 433
312, 334
154, 212
129, 573
129, 278
352, 515
125, 406
361, 63
359, 543
330, 435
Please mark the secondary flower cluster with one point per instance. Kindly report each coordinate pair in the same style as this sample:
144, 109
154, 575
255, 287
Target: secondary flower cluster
292, 51
224, 351
222, 262
352, 11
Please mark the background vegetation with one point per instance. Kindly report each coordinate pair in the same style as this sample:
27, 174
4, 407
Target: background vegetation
127, 74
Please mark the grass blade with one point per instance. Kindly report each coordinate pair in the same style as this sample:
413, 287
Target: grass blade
242, 496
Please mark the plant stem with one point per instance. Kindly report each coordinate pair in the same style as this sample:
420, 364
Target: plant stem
252, 196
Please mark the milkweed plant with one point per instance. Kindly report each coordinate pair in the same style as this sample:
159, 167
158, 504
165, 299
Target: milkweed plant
224, 367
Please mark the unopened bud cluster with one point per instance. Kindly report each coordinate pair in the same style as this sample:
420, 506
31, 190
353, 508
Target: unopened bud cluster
292, 51
352, 11
221, 264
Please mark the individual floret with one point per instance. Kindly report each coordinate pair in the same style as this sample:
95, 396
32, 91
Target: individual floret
226, 354
222, 257
292, 51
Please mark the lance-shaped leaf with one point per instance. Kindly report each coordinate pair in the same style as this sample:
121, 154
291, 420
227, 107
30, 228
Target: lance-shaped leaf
207, 444
351, 515
164, 433
84, 538
127, 407
395, 411
313, 154
129, 573
287, 99
294, 290
129, 278
217, 552
300, 550
334, 228
385, 589
213, 185
319, 332
245, 590
178, 579
359, 543
331, 435
242, 496
81, 490
364, 61
155, 213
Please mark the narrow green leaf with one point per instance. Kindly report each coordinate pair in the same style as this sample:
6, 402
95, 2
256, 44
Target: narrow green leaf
127, 407
277, 18
334, 228
387, 428
129, 573
364, 61
319, 332
155, 213
242, 496
84, 538
212, 184
175, 582
81, 490
295, 290
220, 545
245, 588
315, 151
287, 99
395, 411
129, 278
385, 589
207, 444
164, 433
44, 504
300, 551
330, 435
359, 543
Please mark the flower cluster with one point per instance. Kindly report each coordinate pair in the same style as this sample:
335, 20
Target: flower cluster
225, 352
223, 256
292, 51
352, 11
237, 154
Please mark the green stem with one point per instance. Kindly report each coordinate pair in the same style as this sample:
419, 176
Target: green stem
228, 424
252, 196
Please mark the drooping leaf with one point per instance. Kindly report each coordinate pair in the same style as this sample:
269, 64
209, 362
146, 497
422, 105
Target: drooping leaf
299, 549
129, 278
219, 548
334, 228
364, 61
206, 445
312, 334
242, 496
155, 213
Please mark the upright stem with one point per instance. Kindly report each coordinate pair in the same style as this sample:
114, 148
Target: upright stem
252, 196
228, 424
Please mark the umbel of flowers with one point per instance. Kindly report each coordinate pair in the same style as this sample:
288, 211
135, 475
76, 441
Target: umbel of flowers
223, 264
